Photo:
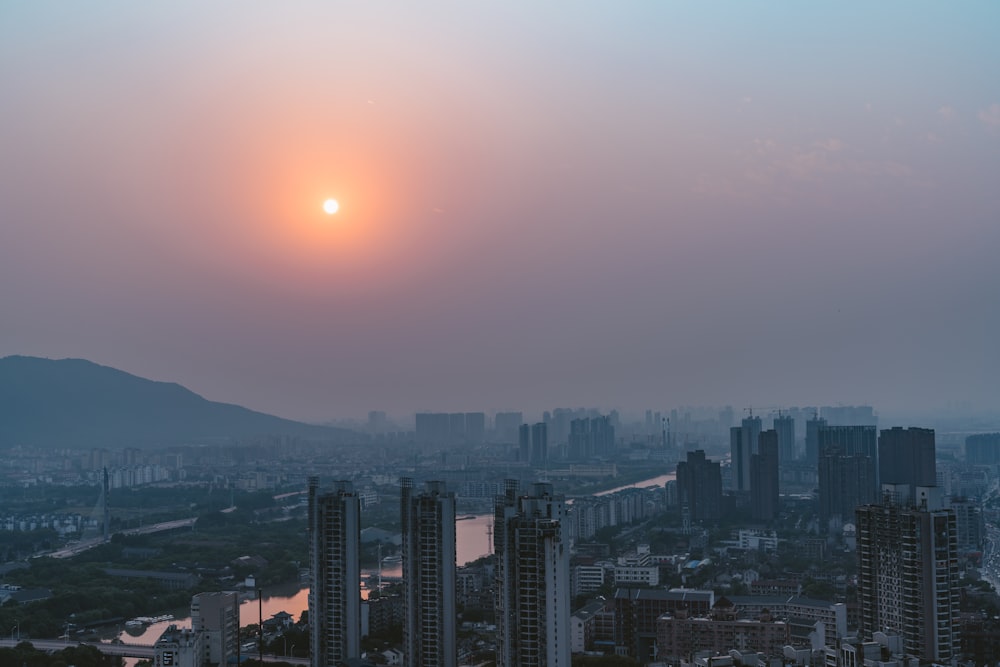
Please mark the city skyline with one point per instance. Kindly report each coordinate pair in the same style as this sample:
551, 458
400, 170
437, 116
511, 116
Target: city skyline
621, 207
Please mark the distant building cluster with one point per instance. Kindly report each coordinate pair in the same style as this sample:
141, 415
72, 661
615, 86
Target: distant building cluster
914, 522
455, 428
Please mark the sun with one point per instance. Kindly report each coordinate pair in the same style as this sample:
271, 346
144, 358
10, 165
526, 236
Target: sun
331, 206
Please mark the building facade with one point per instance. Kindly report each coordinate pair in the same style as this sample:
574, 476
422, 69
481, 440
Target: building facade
335, 572
764, 478
179, 647
845, 482
699, 487
908, 578
785, 427
982, 449
216, 617
743, 441
428, 527
906, 456
532, 588
813, 426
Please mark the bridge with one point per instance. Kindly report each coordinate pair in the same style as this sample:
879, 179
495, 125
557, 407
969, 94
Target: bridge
130, 650
53, 645
81, 546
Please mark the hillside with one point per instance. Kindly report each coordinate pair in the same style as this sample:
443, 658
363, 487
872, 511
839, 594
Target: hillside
77, 403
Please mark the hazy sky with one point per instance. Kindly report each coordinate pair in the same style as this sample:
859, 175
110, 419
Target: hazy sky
569, 203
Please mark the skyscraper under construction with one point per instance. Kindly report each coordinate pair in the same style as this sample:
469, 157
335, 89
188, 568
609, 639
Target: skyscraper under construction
335, 571
532, 591
908, 579
428, 526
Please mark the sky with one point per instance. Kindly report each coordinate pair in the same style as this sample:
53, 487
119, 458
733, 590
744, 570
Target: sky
616, 205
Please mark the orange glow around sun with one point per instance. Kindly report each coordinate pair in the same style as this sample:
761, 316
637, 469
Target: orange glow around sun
292, 230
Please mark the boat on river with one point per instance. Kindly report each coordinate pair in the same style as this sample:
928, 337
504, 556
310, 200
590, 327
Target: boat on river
143, 621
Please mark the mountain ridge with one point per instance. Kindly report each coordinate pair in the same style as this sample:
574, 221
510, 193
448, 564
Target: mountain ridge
78, 403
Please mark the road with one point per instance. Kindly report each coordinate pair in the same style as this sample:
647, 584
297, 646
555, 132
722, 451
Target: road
80, 547
128, 650
51, 645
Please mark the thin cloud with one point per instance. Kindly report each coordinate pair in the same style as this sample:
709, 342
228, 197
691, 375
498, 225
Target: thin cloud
947, 112
991, 117
769, 161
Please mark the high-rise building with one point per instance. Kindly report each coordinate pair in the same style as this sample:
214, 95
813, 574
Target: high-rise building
846, 471
739, 460
785, 426
842, 415
764, 477
428, 527
524, 443
908, 577
699, 487
982, 449
433, 428
539, 444
590, 437
558, 424
505, 425
533, 444
475, 427
906, 456
456, 428
812, 439
743, 444
845, 482
855, 439
335, 572
971, 525
532, 589
216, 617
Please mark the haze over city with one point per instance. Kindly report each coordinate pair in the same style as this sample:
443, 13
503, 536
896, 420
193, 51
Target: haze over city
590, 204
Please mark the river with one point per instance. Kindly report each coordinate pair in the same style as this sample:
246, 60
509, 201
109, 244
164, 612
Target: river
659, 481
473, 541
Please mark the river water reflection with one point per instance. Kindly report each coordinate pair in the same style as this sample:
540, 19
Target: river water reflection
473, 541
472, 536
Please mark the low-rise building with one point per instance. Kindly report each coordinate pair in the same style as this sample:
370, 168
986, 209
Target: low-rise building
179, 647
679, 636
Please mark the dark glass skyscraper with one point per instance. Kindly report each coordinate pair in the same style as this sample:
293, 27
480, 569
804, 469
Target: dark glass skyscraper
906, 456
847, 472
699, 487
764, 478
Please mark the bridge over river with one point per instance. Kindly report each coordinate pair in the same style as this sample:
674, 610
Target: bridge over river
126, 650
53, 645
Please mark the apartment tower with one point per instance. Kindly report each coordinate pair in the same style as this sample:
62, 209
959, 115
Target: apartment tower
428, 526
532, 588
908, 577
764, 496
847, 472
699, 487
335, 571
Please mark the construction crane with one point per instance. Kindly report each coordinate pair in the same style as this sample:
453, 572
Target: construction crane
772, 408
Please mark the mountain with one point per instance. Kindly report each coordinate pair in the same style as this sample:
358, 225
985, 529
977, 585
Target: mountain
77, 403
